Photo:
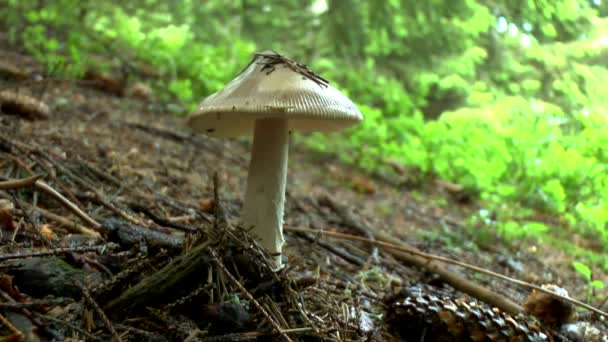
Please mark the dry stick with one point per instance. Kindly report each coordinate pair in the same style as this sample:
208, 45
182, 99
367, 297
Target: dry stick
25, 311
55, 251
67, 223
12, 328
37, 303
78, 180
246, 293
19, 183
251, 335
13, 143
42, 186
165, 222
482, 293
353, 259
270, 305
447, 261
103, 175
26, 215
97, 196
326, 200
104, 318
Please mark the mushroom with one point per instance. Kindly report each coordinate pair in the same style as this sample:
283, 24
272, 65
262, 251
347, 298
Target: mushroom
270, 98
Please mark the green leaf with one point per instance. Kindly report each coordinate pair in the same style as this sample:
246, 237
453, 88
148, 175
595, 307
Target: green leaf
597, 284
582, 269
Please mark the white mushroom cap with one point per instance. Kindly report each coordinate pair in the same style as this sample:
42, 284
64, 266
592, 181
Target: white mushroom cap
264, 90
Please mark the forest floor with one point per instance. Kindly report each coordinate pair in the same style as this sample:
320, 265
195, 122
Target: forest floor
130, 165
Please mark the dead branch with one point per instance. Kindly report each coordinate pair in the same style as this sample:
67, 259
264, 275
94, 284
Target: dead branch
413, 256
400, 247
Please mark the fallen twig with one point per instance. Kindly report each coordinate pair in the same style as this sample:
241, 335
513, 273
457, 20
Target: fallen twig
429, 257
353, 259
326, 200
19, 183
463, 284
251, 335
97, 308
95, 196
161, 220
67, 223
25, 311
37, 303
7, 323
56, 251
39, 184
42, 186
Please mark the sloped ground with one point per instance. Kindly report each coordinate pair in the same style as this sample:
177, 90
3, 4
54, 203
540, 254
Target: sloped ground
168, 265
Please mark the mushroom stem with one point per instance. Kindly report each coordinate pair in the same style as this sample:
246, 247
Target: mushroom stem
265, 195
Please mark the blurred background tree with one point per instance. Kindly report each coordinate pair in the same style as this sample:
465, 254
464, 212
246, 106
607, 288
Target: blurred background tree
503, 97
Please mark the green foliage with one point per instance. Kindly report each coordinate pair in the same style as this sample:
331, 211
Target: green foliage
585, 271
505, 98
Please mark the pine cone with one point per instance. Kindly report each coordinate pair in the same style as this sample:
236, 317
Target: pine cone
434, 318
